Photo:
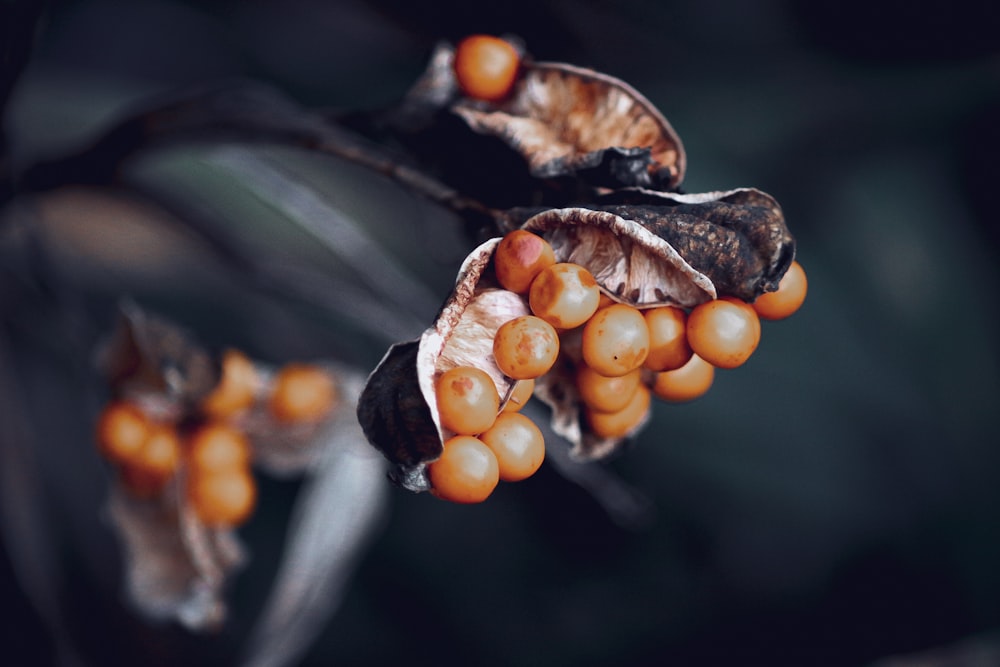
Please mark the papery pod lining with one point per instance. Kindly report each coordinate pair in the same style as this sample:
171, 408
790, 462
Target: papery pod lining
463, 332
558, 113
629, 262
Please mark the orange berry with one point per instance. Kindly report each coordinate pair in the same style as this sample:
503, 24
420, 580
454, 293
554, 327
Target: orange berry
466, 472
668, 346
518, 445
787, 299
606, 394
565, 295
236, 388
121, 430
302, 392
519, 397
615, 340
486, 67
525, 347
223, 497
160, 454
724, 332
467, 400
686, 383
218, 446
519, 257
625, 421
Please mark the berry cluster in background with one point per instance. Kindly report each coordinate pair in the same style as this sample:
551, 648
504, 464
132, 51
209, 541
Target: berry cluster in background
204, 452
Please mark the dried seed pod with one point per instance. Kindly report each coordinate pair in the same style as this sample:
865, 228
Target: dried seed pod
566, 120
738, 238
561, 134
398, 409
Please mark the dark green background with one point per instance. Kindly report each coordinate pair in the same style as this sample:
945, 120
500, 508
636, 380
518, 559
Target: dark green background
832, 502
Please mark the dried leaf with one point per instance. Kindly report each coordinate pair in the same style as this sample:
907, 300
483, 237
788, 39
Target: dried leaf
337, 512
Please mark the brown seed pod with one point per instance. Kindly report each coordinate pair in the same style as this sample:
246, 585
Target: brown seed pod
737, 238
398, 408
564, 120
562, 133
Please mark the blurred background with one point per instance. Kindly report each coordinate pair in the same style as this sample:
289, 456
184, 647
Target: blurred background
832, 502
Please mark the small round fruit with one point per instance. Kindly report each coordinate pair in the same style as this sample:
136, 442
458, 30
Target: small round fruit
787, 299
236, 388
606, 394
467, 400
222, 497
565, 295
466, 472
518, 445
615, 340
519, 257
723, 332
519, 397
218, 446
668, 346
121, 430
525, 347
302, 392
690, 381
160, 454
486, 67
624, 422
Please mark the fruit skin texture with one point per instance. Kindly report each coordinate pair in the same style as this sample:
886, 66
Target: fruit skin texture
224, 497
302, 392
606, 394
525, 347
724, 332
686, 383
466, 472
121, 430
668, 346
218, 446
467, 400
518, 445
615, 340
519, 257
565, 295
625, 421
790, 295
236, 389
486, 67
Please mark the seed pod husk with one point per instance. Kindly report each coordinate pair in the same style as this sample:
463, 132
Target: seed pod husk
630, 263
564, 133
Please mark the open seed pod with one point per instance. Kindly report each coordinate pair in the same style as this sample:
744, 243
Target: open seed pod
566, 120
178, 561
737, 238
563, 133
398, 408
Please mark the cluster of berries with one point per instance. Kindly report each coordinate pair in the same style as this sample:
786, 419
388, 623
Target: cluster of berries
209, 449
622, 355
